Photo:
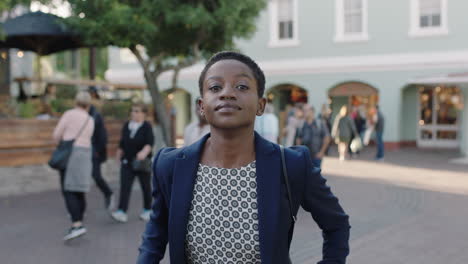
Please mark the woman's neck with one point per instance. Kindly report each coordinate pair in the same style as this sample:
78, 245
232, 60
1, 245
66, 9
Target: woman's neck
229, 148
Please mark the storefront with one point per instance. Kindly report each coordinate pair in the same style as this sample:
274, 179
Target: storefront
441, 111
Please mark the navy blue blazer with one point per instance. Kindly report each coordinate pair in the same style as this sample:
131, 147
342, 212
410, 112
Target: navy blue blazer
174, 178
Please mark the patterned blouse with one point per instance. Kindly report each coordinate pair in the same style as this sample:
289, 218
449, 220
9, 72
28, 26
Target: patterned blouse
223, 218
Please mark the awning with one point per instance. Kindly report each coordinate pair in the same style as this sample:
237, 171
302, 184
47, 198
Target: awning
451, 78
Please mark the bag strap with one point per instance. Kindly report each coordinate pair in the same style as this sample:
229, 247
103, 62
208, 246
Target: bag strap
82, 127
285, 175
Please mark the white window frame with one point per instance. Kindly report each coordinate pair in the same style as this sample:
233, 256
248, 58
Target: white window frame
417, 31
275, 41
340, 34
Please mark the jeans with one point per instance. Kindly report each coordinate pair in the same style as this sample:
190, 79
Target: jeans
380, 145
317, 163
127, 176
75, 202
100, 182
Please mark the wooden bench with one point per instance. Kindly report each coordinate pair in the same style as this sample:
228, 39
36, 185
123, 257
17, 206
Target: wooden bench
28, 141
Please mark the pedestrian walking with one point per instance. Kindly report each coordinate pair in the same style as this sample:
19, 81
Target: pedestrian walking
343, 131
267, 124
360, 124
76, 124
371, 120
99, 154
232, 196
379, 130
315, 136
197, 129
325, 116
134, 153
293, 124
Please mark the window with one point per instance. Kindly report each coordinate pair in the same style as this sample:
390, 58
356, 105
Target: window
283, 23
428, 18
285, 19
351, 20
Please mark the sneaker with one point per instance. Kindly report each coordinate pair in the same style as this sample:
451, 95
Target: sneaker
109, 202
145, 215
74, 232
119, 216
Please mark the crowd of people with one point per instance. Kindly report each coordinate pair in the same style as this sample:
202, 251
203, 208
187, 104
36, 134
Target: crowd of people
350, 130
85, 126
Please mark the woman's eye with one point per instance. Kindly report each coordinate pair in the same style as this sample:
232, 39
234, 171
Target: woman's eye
215, 88
242, 87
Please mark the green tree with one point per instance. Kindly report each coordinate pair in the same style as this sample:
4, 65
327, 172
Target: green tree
6, 6
165, 35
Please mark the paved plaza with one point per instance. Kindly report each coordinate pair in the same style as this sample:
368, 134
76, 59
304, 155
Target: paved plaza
412, 208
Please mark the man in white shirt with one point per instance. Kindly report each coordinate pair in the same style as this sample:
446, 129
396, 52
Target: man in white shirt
197, 129
267, 124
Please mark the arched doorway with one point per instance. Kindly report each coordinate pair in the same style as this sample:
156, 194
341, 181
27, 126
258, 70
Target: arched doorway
283, 97
352, 94
180, 102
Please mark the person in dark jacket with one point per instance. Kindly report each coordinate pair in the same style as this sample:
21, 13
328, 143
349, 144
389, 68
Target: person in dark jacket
224, 198
379, 129
136, 143
99, 154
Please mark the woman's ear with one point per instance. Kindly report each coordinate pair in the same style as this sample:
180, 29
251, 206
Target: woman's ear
201, 106
261, 106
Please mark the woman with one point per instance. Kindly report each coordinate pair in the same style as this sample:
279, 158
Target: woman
293, 124
223, 198
75, 180
343, 131
135, 145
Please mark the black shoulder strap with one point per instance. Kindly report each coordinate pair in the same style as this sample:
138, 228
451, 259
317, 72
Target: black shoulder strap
82, 127
285, 175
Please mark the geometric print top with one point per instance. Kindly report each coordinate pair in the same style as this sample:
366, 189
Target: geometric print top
223, 217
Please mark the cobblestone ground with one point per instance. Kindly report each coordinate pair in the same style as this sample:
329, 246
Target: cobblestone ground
409, 209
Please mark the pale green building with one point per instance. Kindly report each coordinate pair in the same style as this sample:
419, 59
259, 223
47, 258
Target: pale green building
408, 56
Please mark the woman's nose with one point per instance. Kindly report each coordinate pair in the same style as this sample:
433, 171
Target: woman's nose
228, 93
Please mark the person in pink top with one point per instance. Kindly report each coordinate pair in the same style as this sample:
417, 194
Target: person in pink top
76, 124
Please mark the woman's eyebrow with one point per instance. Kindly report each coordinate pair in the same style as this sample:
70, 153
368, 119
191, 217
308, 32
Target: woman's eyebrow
244, 75
214, 78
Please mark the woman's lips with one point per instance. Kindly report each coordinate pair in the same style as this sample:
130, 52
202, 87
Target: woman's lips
227, 108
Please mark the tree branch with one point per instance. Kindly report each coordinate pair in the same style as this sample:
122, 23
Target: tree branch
145, 64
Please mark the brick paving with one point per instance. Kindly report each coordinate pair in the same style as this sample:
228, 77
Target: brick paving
409, 209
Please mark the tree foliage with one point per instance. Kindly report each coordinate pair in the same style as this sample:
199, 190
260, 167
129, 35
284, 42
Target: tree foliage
173, 33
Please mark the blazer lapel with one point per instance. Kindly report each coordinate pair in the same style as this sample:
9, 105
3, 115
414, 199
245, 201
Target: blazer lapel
181, 197
268, 195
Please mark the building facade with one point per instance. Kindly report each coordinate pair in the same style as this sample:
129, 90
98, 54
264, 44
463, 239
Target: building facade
407, 56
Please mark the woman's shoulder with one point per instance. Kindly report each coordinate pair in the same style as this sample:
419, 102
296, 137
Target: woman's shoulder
296, 152
164, 160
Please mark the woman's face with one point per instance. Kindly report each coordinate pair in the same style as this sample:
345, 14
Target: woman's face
230, 96
137, 114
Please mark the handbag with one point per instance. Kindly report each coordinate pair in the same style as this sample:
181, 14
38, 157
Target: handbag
143, 166
61, 154
356, 144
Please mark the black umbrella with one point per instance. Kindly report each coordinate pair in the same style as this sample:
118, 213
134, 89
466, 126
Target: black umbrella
39, 32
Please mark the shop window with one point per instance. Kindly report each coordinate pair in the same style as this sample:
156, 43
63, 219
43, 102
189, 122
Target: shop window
439, 116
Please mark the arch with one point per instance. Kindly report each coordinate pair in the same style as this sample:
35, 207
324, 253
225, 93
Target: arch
351, 88
289, 94
359, 95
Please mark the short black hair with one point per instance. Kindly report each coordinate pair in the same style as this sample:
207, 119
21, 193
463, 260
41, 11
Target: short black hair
232, 55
